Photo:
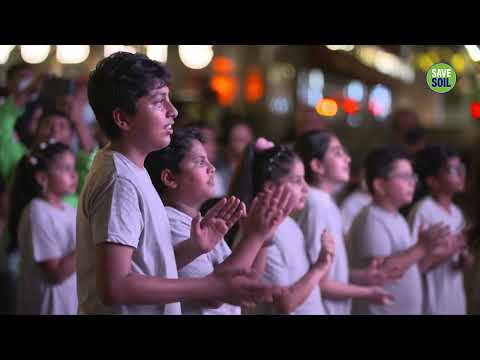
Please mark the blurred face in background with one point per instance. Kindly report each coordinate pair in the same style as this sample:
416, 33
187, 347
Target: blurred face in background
55, 127
240, 136
210, 143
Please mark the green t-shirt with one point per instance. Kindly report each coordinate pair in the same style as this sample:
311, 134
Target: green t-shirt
11, 150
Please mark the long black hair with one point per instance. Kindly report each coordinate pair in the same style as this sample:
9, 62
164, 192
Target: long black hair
25, 186
313, 145
259, 166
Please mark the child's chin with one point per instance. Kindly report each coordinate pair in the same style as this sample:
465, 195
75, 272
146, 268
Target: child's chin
300, 206
406, 201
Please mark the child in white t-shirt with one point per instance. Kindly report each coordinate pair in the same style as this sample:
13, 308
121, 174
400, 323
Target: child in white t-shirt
184, 177
285, 261
380, 230
354, 203
44, 227
127, 263
443, 173
327, 166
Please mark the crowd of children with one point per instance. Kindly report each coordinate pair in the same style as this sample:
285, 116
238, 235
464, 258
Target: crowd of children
139, 224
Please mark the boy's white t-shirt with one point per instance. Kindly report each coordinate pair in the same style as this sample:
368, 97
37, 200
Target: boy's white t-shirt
286, 263
120, 205
378, 232
45, 233
321, 212
351, 206
444, 292
180, 225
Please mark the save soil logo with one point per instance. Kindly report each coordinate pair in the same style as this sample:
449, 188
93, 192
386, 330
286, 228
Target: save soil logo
441, 78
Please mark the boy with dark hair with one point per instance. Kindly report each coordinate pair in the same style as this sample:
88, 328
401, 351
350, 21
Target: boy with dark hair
126, 261
443, 174
380, 230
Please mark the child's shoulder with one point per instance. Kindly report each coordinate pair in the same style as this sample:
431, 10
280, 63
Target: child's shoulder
318, 199
288, 228
426, 205
39, 209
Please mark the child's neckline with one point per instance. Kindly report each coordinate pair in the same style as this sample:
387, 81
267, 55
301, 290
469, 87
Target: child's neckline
448, 210
130, 162
61, 207
385, 210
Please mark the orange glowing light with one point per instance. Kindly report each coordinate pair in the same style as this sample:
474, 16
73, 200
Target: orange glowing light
327, 107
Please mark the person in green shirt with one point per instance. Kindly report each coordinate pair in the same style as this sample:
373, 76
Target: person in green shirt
22, 85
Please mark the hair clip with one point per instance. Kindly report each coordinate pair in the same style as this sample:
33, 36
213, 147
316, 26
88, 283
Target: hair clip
263, 144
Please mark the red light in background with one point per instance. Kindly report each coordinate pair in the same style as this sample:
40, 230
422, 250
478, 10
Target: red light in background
254, 87
223, 64
350, 106
226, 87
475, 110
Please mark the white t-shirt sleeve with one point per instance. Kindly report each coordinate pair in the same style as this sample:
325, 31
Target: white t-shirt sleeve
376, 239
45, 244
312, 224
276, 270
117, 217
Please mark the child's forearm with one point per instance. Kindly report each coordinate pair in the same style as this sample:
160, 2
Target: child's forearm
137, 289
260, 261
185, 252
296, 294
59, 270
244, 254
340, 291
358, 276
405, 259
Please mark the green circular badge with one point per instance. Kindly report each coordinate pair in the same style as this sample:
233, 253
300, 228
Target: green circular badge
441, 78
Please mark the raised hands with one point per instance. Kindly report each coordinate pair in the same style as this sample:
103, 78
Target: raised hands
327, 252
243, 288
208, 231
436, 238
267, 211
380, 296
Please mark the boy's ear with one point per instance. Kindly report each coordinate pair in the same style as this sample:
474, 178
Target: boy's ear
42, 178
431, 182
379, 186
168, 179
121, 119
317, 167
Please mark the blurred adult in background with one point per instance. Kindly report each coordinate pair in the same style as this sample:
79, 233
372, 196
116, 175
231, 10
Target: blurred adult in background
415, 140
22, 86
236, 136
403, 120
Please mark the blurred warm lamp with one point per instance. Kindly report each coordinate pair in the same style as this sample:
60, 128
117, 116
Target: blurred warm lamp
195, 56
158, 52
72, 54
34, 54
